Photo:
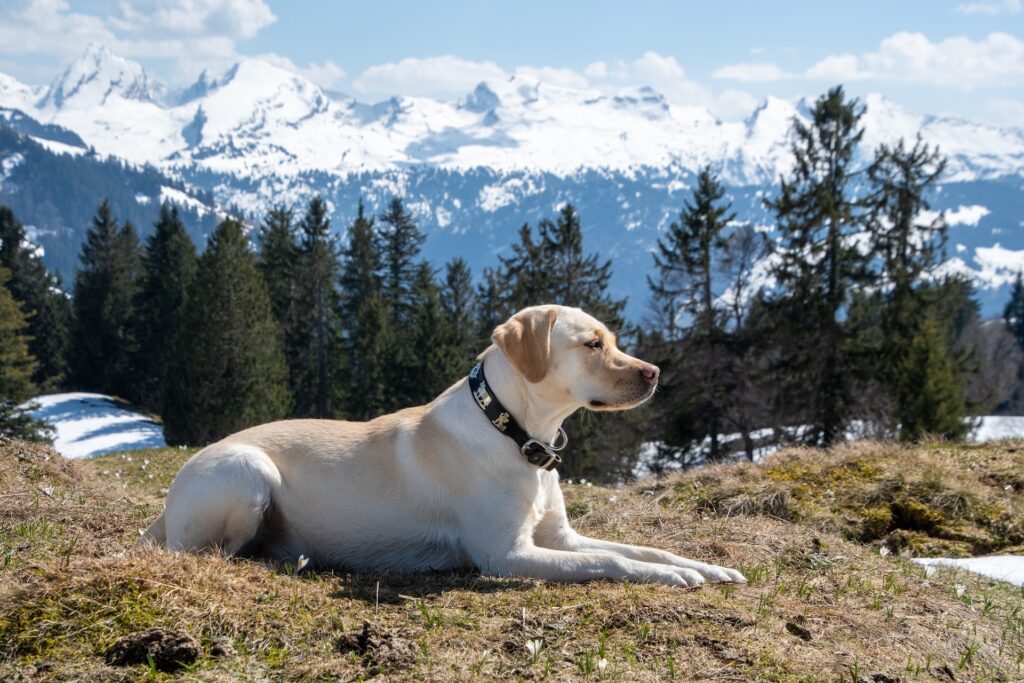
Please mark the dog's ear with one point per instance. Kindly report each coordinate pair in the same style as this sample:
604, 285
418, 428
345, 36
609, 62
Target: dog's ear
526, 341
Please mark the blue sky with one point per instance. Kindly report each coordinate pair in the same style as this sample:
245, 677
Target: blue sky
963, 57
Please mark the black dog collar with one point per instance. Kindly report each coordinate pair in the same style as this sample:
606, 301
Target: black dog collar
537, 453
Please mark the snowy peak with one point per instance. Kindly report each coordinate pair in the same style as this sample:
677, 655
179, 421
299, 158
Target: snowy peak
98, 74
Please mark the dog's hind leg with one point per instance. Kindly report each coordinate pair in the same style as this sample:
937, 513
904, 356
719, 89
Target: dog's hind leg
219, 499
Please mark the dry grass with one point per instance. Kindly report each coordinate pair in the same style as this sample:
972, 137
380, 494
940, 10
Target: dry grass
819, 606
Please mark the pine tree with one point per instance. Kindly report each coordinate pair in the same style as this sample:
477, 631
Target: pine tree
168, 267
932, 388
436, 365
44, 305
524, 276
1013, 314
229, 370
907, 249
102, 343
315, 351
400, 243
16, 368
819, 266
690, 262
459, 299
277, 262
493, 303
368, 340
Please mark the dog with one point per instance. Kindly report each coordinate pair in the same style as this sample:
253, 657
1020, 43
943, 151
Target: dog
466, 481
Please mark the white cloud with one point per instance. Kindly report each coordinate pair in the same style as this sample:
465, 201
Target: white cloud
327, 75
836, 68
566, 78
445, 75
233, 18
657, 68
752, 72
907, 57
989, 7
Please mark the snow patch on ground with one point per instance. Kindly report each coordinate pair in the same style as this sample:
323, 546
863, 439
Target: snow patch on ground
175, 196
1008, 568
86, 425
59, 147
995, 427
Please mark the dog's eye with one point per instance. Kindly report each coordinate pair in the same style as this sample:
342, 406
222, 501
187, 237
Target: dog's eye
596, 344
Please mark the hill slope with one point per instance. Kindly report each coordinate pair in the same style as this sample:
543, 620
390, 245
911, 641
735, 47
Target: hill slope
819, 606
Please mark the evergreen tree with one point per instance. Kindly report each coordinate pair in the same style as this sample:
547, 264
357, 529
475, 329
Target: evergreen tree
102, 343
315, 351
459, 299
690, 262
819, 266
46, 308
168, 267
436, 364
932, 388
1013, 314
16, 367
368, 339
277, 262
493, 303
907, 250
400, 242
229, 369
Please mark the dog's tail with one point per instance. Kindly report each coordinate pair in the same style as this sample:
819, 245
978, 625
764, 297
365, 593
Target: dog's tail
156, 534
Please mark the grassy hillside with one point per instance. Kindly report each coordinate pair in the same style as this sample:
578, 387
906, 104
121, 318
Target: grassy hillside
822, 603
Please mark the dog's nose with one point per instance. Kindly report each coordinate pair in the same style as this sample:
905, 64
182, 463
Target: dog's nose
650, 372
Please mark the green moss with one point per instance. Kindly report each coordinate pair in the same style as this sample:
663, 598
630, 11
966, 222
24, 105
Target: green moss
84, 618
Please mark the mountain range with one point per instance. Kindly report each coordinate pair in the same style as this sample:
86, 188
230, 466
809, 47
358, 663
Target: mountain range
472, 170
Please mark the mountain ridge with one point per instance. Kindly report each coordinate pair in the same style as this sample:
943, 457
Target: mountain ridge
475, 168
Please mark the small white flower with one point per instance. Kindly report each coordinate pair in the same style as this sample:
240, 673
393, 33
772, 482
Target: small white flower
960, 589
582, 480
602, 664
117, 475
1008, 487
48, 490
589, 484
612, 499
301, 564
129, 458
929, 571
533, 647
884, 551
151, 476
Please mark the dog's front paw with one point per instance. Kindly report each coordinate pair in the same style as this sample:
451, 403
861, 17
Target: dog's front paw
716, 574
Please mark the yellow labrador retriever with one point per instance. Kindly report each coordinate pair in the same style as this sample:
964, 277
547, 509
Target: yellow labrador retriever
465, 481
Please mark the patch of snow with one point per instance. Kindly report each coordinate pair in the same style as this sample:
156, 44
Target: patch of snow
175, 196
142, 199
8, 164
962, 215
1009, 568
995, 427
87, 425
59, 147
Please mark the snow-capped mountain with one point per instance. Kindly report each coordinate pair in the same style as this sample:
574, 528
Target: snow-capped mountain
476, 168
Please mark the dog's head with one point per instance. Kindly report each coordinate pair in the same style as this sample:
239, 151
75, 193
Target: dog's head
570, 353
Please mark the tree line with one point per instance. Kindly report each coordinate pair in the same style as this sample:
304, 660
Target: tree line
842, 325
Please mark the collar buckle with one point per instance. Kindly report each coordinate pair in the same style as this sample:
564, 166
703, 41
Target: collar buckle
536, 450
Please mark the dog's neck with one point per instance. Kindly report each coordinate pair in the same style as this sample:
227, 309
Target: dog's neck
539, 411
